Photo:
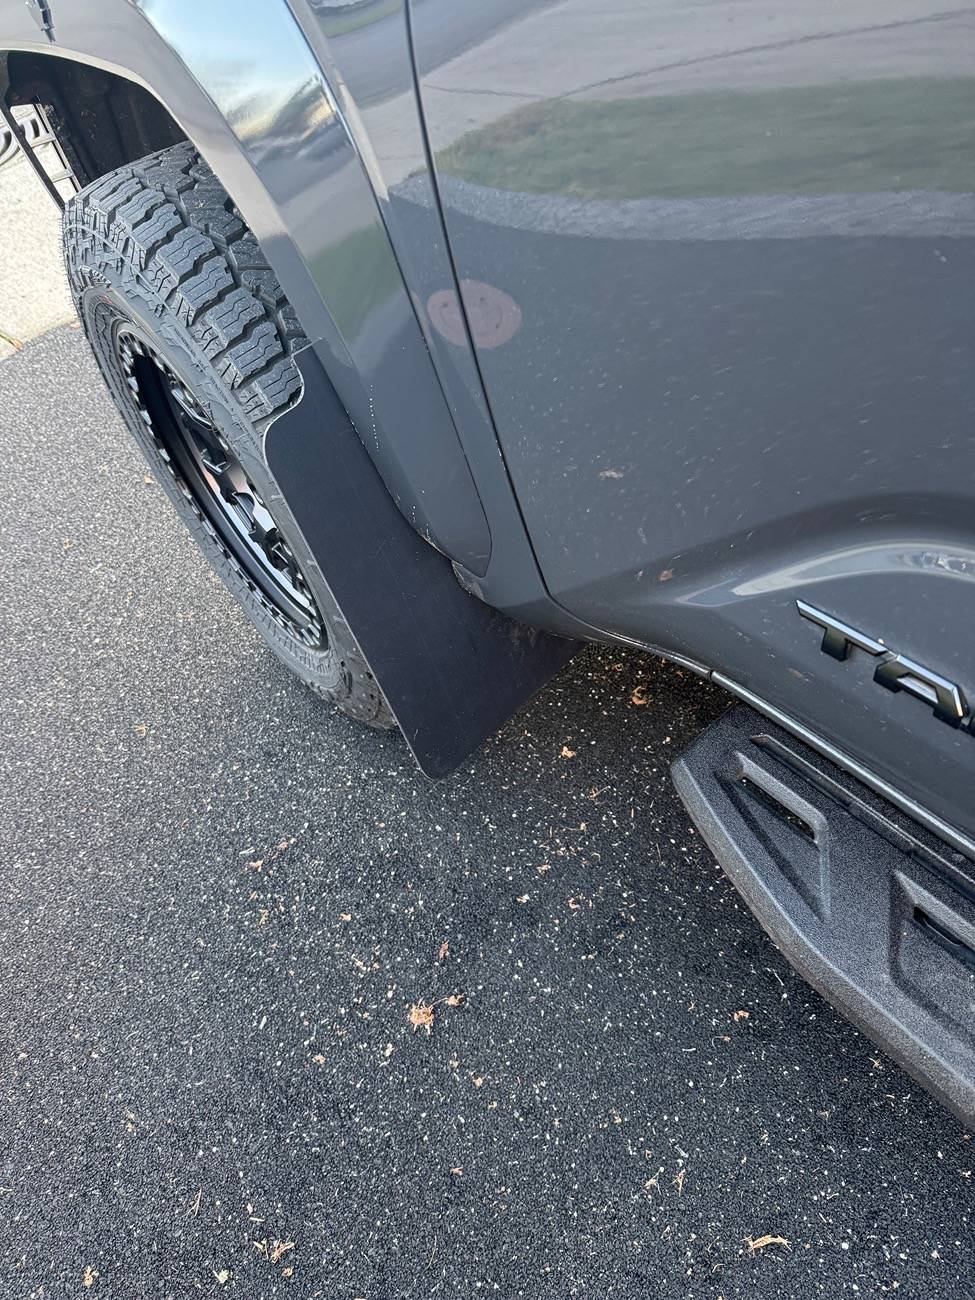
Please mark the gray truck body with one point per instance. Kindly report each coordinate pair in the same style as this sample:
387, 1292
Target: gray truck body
656, 321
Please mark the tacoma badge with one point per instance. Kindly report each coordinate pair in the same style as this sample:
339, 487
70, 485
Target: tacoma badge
895, 671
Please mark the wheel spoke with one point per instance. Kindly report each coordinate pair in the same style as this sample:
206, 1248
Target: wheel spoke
214, 479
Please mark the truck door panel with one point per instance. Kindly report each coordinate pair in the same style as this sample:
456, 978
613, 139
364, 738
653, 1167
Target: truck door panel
739, 241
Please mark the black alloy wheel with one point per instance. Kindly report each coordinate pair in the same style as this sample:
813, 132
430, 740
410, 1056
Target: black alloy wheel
214, 481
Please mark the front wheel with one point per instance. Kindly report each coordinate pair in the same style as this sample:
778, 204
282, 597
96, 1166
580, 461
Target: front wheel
195, 340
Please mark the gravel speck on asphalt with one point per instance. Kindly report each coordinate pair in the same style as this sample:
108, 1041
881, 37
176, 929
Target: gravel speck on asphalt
226, 908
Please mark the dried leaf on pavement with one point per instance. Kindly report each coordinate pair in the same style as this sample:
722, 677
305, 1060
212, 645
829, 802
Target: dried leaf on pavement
756, 1244
421, 1016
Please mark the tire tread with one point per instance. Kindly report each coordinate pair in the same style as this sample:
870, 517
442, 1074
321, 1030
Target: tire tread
169, 216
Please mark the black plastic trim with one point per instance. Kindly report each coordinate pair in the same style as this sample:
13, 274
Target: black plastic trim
452, 669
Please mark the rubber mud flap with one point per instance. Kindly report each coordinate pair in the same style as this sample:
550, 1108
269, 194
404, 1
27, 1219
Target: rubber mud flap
452, 669
874, 911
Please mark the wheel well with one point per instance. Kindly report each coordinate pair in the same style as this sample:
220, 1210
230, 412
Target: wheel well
100, 120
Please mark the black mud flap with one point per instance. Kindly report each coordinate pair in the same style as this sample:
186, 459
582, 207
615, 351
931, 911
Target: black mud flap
875, 912
452, 669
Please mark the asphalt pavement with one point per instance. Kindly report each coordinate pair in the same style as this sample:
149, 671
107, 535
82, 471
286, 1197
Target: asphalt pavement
282, 1018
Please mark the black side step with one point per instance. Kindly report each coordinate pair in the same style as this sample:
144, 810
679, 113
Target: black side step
871, 909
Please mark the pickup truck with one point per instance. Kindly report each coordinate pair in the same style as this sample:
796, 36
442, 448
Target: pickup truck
461, 334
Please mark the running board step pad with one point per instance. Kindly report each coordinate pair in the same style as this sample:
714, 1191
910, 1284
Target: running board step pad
875, 912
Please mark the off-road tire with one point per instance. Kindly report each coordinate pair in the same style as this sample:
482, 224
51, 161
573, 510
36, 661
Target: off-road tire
158, 248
